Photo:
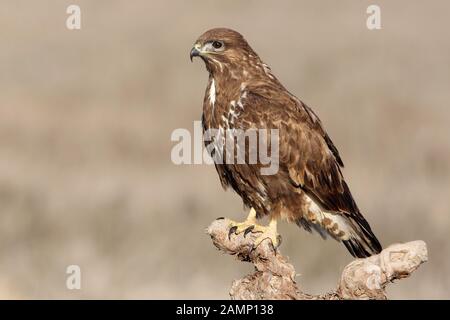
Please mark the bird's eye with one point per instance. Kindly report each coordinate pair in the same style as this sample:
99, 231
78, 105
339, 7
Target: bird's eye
217, 44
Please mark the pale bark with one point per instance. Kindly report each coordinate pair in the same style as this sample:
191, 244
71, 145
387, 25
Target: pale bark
274, 277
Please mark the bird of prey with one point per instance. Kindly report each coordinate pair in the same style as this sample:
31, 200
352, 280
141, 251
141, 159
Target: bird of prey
308, 188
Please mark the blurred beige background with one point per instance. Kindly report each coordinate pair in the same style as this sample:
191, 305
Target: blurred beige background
86, 117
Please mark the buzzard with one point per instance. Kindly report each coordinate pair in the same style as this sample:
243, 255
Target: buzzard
308, 187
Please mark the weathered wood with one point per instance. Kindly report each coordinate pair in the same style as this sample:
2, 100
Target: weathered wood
274, 276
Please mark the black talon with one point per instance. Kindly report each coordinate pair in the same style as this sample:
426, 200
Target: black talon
279, 238
255, 247
232, 230
275, 249
248, 230
220, 218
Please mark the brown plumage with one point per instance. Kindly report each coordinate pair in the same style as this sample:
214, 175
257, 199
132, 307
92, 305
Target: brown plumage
309, 188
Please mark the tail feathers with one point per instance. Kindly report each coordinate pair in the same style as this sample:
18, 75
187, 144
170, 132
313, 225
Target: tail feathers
352, 230
362, 242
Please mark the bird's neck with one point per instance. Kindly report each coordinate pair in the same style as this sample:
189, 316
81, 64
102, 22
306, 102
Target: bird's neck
228, 84
224, 87
231, 78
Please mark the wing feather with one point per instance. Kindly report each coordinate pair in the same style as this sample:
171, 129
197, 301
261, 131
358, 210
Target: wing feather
312, 161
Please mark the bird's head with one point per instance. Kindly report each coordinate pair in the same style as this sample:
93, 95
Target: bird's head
222, 48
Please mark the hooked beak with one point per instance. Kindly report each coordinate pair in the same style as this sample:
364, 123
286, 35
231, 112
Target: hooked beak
195, 52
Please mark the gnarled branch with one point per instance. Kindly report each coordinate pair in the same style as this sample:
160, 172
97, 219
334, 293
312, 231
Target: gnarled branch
274, 276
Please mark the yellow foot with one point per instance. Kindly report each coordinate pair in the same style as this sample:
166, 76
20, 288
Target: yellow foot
250, 225
268, 233
246, 226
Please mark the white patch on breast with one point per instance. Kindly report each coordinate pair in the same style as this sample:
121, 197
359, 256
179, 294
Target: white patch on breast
212, 93
243, 95
233, 112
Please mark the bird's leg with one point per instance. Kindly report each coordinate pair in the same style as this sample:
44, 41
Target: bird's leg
246, 226
250, 225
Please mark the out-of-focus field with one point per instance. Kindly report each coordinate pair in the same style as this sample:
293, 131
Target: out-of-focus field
86, 118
